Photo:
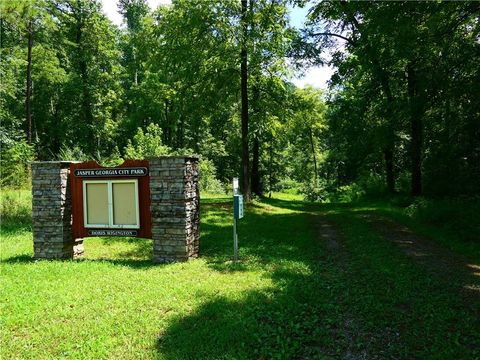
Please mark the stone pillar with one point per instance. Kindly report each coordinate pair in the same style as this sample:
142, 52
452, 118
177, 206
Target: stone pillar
174, 196
52, 212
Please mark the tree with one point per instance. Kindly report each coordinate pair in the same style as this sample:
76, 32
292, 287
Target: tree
244, 91
398, 46
92, 61
304, 130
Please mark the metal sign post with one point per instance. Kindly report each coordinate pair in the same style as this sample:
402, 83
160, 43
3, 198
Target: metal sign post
237, 214
235, 240
235, 236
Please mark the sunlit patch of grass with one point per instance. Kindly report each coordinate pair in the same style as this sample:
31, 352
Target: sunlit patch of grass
287, 196
118, 248
207, 195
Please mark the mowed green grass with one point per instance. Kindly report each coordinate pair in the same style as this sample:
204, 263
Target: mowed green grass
116, 304
291, 296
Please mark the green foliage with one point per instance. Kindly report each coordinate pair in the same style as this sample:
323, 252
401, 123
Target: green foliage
146, 144
300, 139
459, 216
16, 209
404, 84
208, 181
372, 186
15, 158
99, 89
149, 144
74, 153
287, 185
314, 192
113, 159
349, 193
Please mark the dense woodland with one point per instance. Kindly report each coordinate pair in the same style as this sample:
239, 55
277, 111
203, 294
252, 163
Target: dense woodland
402, 112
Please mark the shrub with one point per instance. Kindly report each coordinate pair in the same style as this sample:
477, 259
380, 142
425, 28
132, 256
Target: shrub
14, 164
314, 192
72, 153
459, 215
208, 181
76, 153
373, 186
402, 200
112, 159
146, 144
288, 185
149, 144
16, 208
349, 193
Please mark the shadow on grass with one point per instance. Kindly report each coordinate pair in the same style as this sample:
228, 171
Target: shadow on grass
19, 259
263, 239
262, 324
375, 304
13, 227
133, 263
286, 204
284, 318
138, 257
300, 205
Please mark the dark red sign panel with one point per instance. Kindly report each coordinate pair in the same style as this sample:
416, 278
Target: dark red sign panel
130, 169
111, 172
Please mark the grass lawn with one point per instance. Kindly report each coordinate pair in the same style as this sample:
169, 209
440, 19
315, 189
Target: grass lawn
295, 294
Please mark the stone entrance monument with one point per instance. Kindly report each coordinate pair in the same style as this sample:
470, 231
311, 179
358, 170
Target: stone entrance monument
156, 199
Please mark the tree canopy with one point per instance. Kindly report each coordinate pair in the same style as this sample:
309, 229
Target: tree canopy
215, 78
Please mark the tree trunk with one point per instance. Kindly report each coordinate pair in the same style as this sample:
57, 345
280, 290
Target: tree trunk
382, 76
389, 175
256, 186
1, 32
86, 102
135, 76
244, 93
255, 178
389, 148
270, 170
28, 92
416, 123
314, 156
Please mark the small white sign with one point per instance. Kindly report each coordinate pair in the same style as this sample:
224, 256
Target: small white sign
235, 186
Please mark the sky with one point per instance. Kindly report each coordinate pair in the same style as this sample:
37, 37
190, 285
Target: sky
316, 76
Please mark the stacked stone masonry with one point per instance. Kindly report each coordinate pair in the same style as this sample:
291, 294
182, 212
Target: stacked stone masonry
174, 207
52, 212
